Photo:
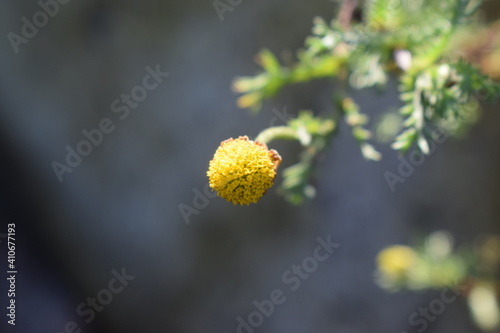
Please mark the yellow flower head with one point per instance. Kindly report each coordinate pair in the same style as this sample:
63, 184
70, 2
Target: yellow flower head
242, 170
395, 261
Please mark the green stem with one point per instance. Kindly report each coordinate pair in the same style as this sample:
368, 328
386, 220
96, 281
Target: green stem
324, 66
277, 133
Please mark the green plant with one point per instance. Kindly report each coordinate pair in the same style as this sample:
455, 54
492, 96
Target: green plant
409, 40
434, 263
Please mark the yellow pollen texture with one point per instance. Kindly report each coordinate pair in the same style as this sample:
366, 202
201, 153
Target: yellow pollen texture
242, 170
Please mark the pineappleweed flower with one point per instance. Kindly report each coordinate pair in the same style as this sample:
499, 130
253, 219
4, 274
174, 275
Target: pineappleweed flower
242, 170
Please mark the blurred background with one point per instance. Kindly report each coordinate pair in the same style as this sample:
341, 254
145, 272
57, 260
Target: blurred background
120, 208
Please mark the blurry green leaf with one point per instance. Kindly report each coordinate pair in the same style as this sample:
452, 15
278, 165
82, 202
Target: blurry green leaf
423, 145
484, 306
269, 62
356, 121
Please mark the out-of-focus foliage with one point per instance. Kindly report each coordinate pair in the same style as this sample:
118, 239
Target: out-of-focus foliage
434, 264
356, 120
429, 265
410, 40
442, 95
